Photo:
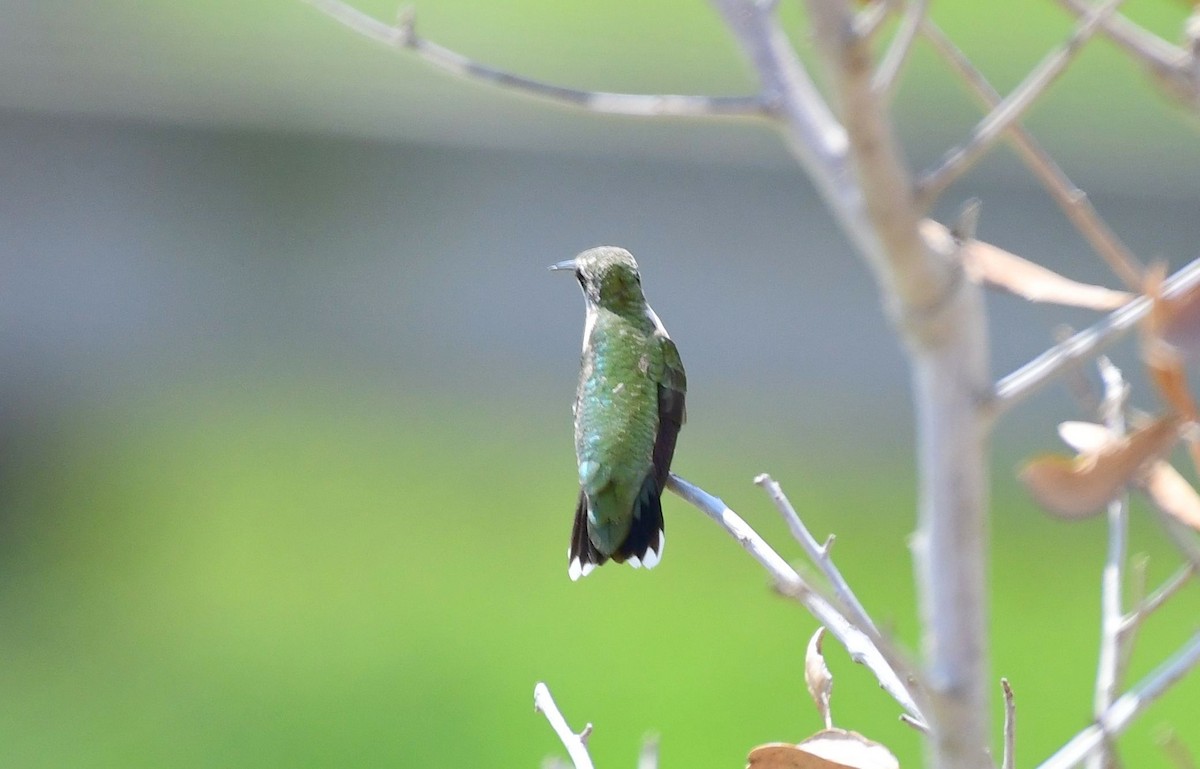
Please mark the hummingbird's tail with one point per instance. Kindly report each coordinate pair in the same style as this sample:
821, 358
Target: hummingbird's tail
582, 555
643, 545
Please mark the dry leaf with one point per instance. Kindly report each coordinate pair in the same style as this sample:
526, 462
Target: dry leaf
1171, 492
1081, 486
1182, 329
1167, 489
817, 676
1002, 269
1163, 357
783, 755
1084, 436
1174, 321
843, 748
827, 749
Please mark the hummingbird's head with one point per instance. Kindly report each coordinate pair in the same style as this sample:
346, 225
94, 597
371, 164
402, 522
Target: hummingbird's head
609, 278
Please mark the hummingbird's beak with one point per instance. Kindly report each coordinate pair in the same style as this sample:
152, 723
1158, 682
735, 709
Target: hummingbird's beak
567, 264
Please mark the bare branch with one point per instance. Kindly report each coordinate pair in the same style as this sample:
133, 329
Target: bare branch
1167, 63
920, 726
888, 74
913, 283
819, 555
1072, 200
871, 18
576, 744
894, 677
1122, 712
1155, 600
816, 139
1112, 612
960, 159
1084, 345
404, 35
1009, 760
940, 317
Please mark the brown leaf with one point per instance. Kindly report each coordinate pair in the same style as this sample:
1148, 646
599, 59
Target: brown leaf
783, 755
1167, 489
1182, 329
1081, 486
1163, 357
827, 749
843, 748
817, 677
1002, 269
1174, 321
1172, 494
1084, 436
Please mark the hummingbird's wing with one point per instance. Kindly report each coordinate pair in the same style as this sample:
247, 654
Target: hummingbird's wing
672, 413
644, 544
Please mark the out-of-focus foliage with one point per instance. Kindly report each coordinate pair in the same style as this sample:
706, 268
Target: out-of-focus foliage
282, 581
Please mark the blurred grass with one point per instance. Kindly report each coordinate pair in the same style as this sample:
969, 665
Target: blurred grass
278, 579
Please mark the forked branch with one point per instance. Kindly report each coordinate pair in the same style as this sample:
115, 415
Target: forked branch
894, 675
1174, 68
1072, 200
576, 744
820, 556
960, 159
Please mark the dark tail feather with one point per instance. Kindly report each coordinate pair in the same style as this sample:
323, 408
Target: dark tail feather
582, 556
644, 544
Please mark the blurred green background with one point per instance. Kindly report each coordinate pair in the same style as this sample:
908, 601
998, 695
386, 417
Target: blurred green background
285, 422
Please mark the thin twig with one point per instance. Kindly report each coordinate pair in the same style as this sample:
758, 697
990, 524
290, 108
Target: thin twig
888, 74
1073, 201
1155, 600
404, 35
920, 726
1084, 345
1112, 611
1181, 535
576, 744
894, 677
1122, 712
1009, 760
871, 18
959, 160
819, 555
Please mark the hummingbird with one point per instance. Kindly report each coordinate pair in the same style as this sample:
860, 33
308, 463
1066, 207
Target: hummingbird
629, 407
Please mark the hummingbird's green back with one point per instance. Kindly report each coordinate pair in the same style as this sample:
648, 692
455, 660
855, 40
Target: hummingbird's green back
629, 407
